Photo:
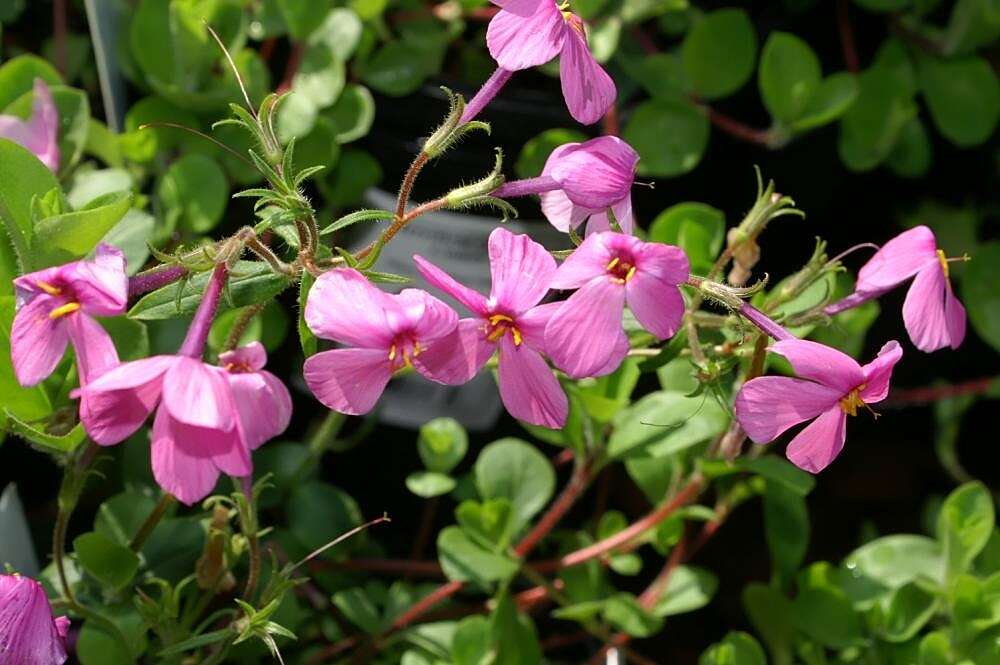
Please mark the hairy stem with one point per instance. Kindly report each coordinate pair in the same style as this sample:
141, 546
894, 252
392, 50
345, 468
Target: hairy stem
245, 318
154, 517
154, 278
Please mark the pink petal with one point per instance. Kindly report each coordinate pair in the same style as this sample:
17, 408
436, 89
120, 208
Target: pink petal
587, 261
596, 174
532, 324
198, 394
62, 626
521, 269
898, 260
526, 33
821, 363
562, 213
433, 318
769, 405
101, 285
37, 341
250, 358
820, 442
528, 388
344, 306
95, 352
618, 354
665, 262
588, 89
457, 357
926, 313
658, 305
44, 126
116, 403
599, 222
348, 380
582, 334
182, 462
28, 633
263, 404
879, 371
473, 301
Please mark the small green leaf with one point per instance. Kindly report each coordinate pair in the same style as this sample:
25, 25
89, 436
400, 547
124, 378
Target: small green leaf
624, 612
22, 178
359, 609
909, 608
429, 484
689, 589
664, 423
825, 615
353, 114
17, 76
465, 561
735, 649
872, 125
72, 235
517, 471
471, 642
981, 286
670, 136
357, 217
719, 53
442, 444
829, 102
302, 18
772, 616
963, 96
54, 443
111, 564
697, 228
965, 524
786, 529
490, 523
893, 561
789, 76
318, 513
195, 192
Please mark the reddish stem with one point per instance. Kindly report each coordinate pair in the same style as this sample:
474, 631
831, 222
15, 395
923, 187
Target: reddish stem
267, 48
291, 68
738, 129
577, 484
931, 394
60, 31
390, 566
847, 36
611, 124
443, 592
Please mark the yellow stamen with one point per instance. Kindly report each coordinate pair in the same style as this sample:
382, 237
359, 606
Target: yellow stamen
611, 266
48, 288
944, 263
630, 273
392, 352
500, 330
68, 308
517, 336
850, 404
497, 318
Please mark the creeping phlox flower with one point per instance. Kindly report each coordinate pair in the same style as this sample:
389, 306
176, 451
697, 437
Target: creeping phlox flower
833, 386
933, 316
593, 177
585, 335
56, 305
388, 332
510, 320
40, 133
528, 33
207, 420
29, 635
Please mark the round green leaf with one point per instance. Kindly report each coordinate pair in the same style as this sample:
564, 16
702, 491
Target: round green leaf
465, 561
697, 228
396, 70
911, 157
689, 589
893, 561
624, 612
719, 53
965, 524
442, 444
536, 151
318, 513
788, 77
296, 117
340, 31
735, 649
17, 76
515, 470
831, 100
964, 98
111, 564
670, 136
429, 484
353, 114
195, 189
870, 128
321, 76
981, 291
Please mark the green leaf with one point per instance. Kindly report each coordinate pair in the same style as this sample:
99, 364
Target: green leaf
427, 484
697, 228
719, 53
22, 178
174, 547
465, 561
908, 609
397, 69
772, 616
98, 645
973, 24
132, 235
195, 192
965, 524
341, 31
356, 218
789, 76
893, 561
321, 76
53, 443
911, 157
359, 609
29, 404
353, 114
111, 564
537, 150
670, 136
664, 423
781, 472
119, 518
935, 649
307, 340
515, 470
251, 282
356, 171
17, 76
302, 18
471, 643
831, 100
736, 649
318, 513
73, 235
872, 125
981, 291
514, 635
689, 589
442, 444
489, 524
825, 615
786, 529
963, 96
624, 612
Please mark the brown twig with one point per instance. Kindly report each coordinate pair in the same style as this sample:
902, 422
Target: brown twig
59, 38
931, 394
578, 482
738, 129
291, 68
847, 36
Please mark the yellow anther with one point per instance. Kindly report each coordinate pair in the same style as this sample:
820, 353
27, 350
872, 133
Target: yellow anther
944, 263
611, 266
392, 352
517, 336
630, 273
850, 404
68, 308
48, 288
497, 318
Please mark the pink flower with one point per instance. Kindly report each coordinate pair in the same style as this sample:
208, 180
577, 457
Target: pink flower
57, 305
933, 316
510, 320
40, 133
387, 333
207, 418
833, 386
29, 635
593, 177
528, 33
585, 335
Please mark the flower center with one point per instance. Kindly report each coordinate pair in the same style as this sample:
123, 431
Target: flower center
402, 351
239, 367
620, 270
499, 325
852, 401
63, 310
944, 263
